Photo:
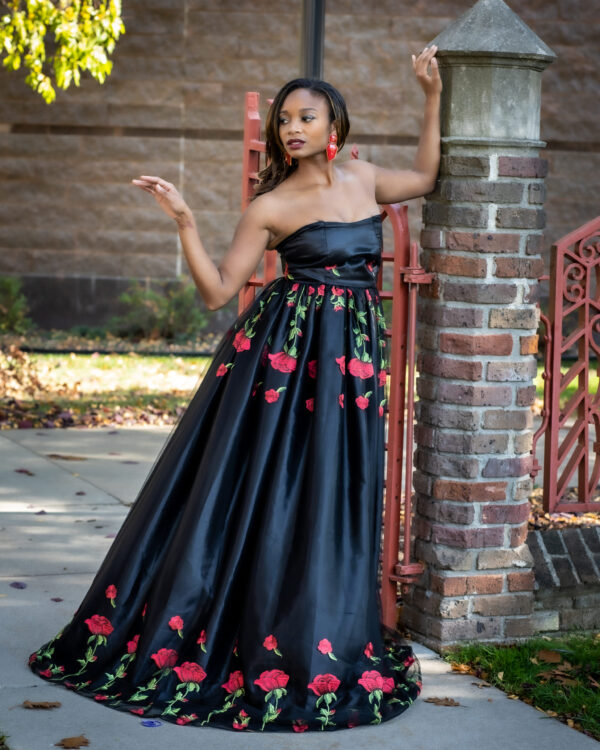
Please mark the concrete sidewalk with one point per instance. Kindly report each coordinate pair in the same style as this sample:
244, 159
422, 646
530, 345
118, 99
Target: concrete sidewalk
57, 552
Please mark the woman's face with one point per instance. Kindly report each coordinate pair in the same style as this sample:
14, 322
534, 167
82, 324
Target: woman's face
304, 124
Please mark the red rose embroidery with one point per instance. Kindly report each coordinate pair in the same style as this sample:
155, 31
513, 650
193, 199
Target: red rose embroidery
186, 719
132, 645
241, 342
310, 404
176, 623
291, 303
362, 402
342, 363
282, 362
382, 377
381, 411
99, 625
202, 637
270, 643
324, 647
337, 307
368, 652
46, 673
321, 289
408, 661
263, 356
341, 400
360, 369
221, 370
111, 592
368, 294
337, 290
138, 711
165, 657
235, 682
189, 671
101, 697
311, 290
324, 683
144, 610
298, 725
312, 368
271, 395
295, 286
271, 679
374, 680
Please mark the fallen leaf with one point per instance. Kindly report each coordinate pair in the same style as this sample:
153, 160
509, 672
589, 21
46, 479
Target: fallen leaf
500, 675
465, 668
481, 684
18, 585
550, 657
73, 741
513, 697
66, 457
442, 701
25, 471
41, 704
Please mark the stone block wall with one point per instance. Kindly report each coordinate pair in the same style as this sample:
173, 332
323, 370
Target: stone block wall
75, 229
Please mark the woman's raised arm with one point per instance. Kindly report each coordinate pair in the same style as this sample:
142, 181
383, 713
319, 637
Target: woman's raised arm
397, 185
217, 284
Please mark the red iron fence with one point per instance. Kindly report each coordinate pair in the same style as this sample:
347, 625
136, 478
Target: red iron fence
571, 413
396, 562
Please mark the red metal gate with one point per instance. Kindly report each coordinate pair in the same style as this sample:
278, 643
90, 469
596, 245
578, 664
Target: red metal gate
406, 275
571, 415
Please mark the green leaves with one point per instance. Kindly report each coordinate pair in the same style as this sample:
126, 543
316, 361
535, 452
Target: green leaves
85, 32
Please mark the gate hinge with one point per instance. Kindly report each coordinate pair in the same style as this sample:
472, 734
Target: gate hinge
415, 275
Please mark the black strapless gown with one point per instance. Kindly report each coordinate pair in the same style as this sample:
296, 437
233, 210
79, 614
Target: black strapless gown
242, 589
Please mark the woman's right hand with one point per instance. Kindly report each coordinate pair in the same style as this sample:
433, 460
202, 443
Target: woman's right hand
165, 194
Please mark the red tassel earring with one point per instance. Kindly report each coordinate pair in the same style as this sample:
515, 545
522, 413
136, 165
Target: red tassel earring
288, 159
332, 146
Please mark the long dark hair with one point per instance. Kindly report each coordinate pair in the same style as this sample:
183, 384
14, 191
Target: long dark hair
276, 169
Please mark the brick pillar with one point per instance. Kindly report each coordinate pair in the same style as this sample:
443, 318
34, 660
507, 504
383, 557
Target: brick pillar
477, 336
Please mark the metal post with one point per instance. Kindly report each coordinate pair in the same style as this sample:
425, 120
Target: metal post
312, 37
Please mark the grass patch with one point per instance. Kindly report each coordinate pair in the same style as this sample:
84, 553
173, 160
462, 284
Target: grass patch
560, 676
94, 389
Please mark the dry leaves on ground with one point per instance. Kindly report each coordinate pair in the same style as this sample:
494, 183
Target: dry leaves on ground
41, 704
540, 520
79, 741
442, 701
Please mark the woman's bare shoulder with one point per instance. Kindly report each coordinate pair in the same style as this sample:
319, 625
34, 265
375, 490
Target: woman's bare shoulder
364, 170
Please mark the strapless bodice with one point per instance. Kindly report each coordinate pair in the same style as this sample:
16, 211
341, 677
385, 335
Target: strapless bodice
343, 253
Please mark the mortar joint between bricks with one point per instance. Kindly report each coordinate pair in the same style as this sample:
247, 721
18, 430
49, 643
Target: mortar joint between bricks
492, 211
588, 554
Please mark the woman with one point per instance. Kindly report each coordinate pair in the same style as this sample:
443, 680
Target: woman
241, 591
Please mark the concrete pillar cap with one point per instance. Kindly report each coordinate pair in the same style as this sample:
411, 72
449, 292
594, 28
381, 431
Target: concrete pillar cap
491, 28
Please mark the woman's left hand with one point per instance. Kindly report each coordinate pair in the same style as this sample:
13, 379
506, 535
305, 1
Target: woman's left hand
431, 83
